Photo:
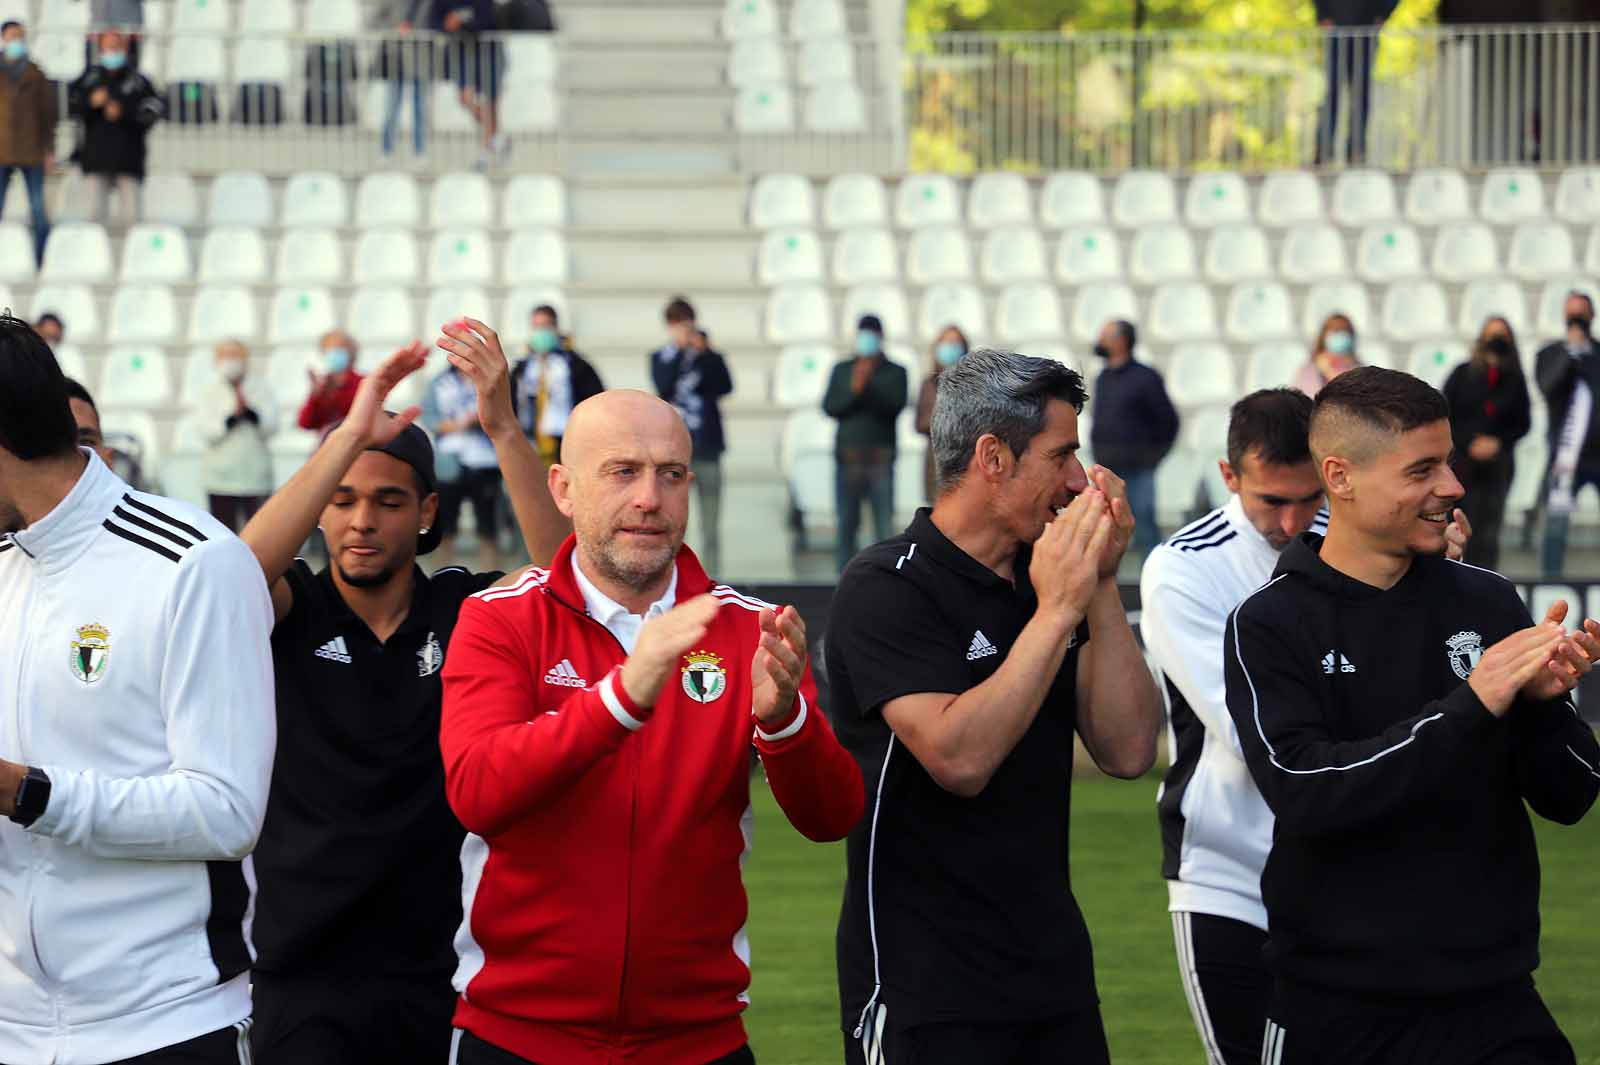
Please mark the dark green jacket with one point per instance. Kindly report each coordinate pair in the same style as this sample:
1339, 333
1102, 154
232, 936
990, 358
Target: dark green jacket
866, 420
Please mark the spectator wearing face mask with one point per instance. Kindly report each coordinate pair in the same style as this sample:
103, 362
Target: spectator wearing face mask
334, 388
51, 329
947, 351
547, 384
27, 127
118, 106
689, 374
1135, 424
1332, 354
1489, 413
236, 416
1568, 371
865, 395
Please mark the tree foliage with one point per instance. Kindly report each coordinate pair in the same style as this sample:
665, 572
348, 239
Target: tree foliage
1219, 16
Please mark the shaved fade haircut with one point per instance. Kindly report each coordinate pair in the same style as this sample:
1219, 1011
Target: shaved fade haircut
1361, 411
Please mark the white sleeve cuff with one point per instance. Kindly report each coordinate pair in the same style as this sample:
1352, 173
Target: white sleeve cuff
613, 704
794, 726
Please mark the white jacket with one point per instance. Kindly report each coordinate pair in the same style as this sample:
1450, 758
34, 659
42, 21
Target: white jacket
1216, 829
237, 462
138, 674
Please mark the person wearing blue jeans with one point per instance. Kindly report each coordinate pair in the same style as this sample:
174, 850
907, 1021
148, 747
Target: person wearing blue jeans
866, 393
28, 113
1135, 424
405, 61
1350, 54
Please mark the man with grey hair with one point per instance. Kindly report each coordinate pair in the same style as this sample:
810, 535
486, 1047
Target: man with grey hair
962, 657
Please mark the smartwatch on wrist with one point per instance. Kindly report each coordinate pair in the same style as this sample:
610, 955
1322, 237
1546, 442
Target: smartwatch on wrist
33, 796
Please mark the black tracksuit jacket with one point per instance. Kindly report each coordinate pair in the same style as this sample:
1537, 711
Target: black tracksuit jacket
1403, 861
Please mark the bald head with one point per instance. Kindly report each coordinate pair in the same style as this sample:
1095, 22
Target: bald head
622, 421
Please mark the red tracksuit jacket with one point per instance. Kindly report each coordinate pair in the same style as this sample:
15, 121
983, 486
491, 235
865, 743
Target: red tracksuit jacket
605, 911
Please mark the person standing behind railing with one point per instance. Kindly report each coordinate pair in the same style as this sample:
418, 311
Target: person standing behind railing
475, 60
1349, 52
117, 106
406, 61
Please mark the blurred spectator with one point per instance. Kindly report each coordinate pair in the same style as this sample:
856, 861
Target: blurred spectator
125, 15
236, 415
334, 389
118, 106
947, 351
549, 382
51, 329
1135, 424
1568, 372
866, 393
405, 61
464, 462
694, 378
1489, 413
1350, 51
476, 61
524, 16
27, 127
87, 417
1333, 353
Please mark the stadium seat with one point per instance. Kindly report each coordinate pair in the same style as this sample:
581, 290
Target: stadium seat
801, 375
449, 302
1237, 252
1099, 302
1489, 297
1274, 364
1162, 252
170, 198
1178, 481
865, 254
288, 376
999, 198
1200, 374
1578, 195
1433, 360
1550, 318
1029, 311
201, 16
77, 251
156, 253
1510, 196
300, 314
835, 107
535, 256
927, 200
63, 15
1465, 250
514, 323
201, 60
1071, 198
59, 55
749, 18
233, 253
1289, 197
310, 256
240, 198
1434, 197
854, 200
808, 462
220, 313
757, 61
464, 257
70, 358
1342, 296
1088, 253
817, 18
16, 252
1363, 198
1415, 310
257, 18
782, 200
1542, 250
530, 60
137, 377
387, 199
534, 200
333, 18
143, 314
314, 199
1143, 198
1591, 254
1375, 353
385, 315
385, 255
1388, 253
798, 313
1259, 311
538, 109
886, 301
789, 255
461, 200
1183, 310
952, 303
1532, 461
764, 109
1216, 199
938, 254
196, 371
126, 428
1014, 254
824, 60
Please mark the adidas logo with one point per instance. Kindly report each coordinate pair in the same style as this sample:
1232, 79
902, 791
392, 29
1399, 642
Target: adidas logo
564, 675
1330, 667
981, 647
335, 650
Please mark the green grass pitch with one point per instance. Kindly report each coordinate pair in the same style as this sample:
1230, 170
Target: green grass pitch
794, 890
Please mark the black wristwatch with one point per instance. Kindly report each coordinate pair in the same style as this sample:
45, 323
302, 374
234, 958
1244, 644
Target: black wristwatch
33, 796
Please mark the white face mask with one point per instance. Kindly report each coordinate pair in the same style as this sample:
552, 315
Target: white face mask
231, 370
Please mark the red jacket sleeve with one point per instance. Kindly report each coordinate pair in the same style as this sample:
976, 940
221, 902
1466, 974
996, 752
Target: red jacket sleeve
321, 411
502, 757
814, 779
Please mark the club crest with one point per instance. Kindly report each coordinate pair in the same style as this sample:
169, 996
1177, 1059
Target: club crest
90, 652
430, 656
704, 679
1464, 648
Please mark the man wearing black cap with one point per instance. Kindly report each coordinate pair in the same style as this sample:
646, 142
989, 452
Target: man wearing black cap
866, 393
358, 865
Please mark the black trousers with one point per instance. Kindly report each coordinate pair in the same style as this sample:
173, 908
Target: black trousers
480, 489
1226, 982
225, 1046
474, 1051
1487, 485
351, 1021
1506, 1026
1074, 1039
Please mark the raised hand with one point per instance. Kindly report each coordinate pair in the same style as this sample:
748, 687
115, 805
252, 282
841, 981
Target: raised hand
662, 641
1122, 522
367, 418
474, 349
1457, 534
1066, 560
779, 665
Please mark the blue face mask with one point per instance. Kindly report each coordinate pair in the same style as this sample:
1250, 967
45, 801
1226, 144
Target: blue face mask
1339, 342
868, 343
113, 60
336, 360
16, 51
949, 352
544, 341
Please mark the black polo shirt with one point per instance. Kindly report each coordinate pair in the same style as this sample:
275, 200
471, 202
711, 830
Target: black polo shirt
961, 906
359, 865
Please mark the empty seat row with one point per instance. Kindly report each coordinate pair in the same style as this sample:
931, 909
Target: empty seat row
760, 18
245, 16
756, 61
830, 107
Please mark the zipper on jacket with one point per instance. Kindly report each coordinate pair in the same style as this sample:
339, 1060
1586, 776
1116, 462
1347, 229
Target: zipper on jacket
31, 875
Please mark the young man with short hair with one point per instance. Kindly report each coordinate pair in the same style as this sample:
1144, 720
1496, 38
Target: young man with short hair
693, 377
1397, 710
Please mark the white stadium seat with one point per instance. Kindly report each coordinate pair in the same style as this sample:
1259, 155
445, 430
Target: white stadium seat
310, 256
222, 312
938, 254
534, 200
59, 55
1161, 252
801, 375
461, 200
1029, 311
77, 251
385, 315
1542, 250
999, 198
385, 255
233, 253
333, 18
1289, 197
260, 17
824, 60
538, 109
1312, 251
462, 257
288, 375
835, 107
1217, 199
1237, 252
198, 370
1183, 310
1434, 197
1144, 197
1099, 302
1375, 353
927, 200
262, 62
799, 313
886, 301
73, 364
1363, 198
1088, 253
535, 256
1509, 196
1550, 318
854, 200
789, 255
1591, 255
1388, 253
298, 314
756, 61
1201, 374
314, 199
16, 252
749, 18
127, 424
1578, 195
1014, 254
1342, 296
198, 59
388, 199
63, 15
530, 59
1259, 311
514, 323
156, 253
1433, 360
1532, 460
817, 18
865, 253
1465, 250
1493, 297
240, 198
782, 200
137, 377
170, 198
808, 461
1274, 364
1415, 310
143, 313
1071, 198
764, 109
449, 302
952, 303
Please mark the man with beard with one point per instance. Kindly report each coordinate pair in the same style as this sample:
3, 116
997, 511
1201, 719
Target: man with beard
358, 872
598, 725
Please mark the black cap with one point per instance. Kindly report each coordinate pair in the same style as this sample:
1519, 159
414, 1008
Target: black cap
412, 447
870, 323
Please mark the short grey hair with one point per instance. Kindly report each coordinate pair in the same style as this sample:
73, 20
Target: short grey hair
998, 392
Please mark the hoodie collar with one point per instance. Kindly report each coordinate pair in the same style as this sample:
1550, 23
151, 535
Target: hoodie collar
1303, 556
689, 581
60, 538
